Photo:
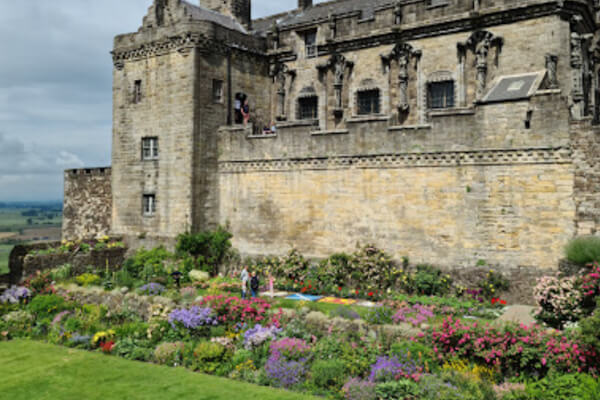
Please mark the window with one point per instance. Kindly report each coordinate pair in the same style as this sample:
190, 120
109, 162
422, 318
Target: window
137, 91
150, 148
368, 102
310, 42
217, 91
441, 94
308, 107
149, 206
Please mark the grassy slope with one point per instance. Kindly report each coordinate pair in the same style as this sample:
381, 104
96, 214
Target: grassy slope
33, 370
11, 220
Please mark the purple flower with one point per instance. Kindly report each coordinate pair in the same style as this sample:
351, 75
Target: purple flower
152, 289
415, 315
192, 318
258, 335
15, 295
284, 373
59, 317
391, 368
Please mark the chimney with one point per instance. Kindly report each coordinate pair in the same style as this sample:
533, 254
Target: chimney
304, 4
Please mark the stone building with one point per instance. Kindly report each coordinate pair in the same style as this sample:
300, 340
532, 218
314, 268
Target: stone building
449, 131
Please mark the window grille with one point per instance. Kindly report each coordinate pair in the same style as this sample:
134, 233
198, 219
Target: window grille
368, 102
441, 94
308, 107
150, 148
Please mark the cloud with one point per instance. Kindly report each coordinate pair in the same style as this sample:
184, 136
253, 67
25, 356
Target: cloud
56, 87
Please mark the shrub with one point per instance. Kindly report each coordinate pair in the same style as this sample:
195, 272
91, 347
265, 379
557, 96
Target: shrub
590, 287
15, 295
583, 250
233, 310
282, 372
258, 335
194, 319
39, 283
392, 368
133, 349
335, 270
152, 289
168, 353
328, 374
590, 328
380, 315
429, 281
372, 266
88, 279
291, 348
559, 300
563, 387
293, 266
208, 248
344, 312
46, 305
421, 353
196, 275
122, 278
208, 357
414, 315
399, 389
135, 330
454, 386
357, 389
18, 323
148, 264
493, 283
61, 273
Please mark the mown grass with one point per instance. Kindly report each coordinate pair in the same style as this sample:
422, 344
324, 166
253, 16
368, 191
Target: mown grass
34, 370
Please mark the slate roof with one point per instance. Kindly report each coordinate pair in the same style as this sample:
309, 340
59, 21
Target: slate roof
319, 12
201, 13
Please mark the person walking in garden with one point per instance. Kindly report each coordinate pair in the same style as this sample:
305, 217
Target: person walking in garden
245, 277
254, 283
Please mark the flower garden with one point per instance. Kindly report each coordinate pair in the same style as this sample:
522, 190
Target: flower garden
397, 331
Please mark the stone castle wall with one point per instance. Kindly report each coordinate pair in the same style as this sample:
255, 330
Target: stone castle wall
87, 203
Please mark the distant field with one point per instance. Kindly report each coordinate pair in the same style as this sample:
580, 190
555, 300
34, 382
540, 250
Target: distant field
12, 220
4, 253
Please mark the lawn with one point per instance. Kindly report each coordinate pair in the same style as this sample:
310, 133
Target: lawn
4, 253
34, 370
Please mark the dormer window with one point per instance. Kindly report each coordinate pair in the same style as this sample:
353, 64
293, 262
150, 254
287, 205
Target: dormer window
310, 43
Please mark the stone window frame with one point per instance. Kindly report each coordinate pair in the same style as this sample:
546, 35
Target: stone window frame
366, 90
149, 204
150, 143
438, 77
299, 107
137, 91
218, 92
437, 3
310, 50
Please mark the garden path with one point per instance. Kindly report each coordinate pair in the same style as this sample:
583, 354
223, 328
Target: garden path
518, 313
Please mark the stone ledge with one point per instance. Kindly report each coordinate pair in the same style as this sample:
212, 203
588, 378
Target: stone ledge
546, 92
451, 111
330, 132
409, 127
265, 136
292, 124
367, 118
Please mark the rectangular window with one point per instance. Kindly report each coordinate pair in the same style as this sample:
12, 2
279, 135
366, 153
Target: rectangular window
310, 42
149, 206
368, 102
137, 91
441, 94
150, 148
217, 91
308, 107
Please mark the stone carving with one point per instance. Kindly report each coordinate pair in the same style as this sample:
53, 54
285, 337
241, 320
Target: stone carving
581, 85
338, 64
476, 5
332, 26
551, 67
480, 43
398, 13
403, 53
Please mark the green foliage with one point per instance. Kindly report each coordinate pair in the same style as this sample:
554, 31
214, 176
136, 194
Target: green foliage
430, 281
454, 386
208, 248
147, 264
61, 273
169, 353
135, 330
133, 349
293, 266
209, 356
46, 305
419, 352
397, 390
583, 250
563, 387
357, 360
328, 374
122, 278
493, 283
590, 327
88, 279
380, 315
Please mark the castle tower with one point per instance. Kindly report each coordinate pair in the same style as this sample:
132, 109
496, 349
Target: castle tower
239, 9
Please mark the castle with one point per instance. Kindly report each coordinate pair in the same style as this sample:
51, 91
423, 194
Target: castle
449, 131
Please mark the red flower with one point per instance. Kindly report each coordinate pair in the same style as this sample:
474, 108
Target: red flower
310, 286
503, 302
494, 301
371, 294
107, 347
303, 290
356, 291
339, 288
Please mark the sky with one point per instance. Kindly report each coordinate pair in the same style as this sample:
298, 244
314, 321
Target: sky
56, 87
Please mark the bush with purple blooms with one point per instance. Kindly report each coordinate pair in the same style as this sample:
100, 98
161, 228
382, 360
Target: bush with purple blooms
258, 335
358, 389
388, 368
285, 373
193, 319
15, 295
152, 289
414, 315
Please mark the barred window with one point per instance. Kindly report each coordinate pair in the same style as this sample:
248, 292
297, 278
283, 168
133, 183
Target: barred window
308, 107
441, 94
149, 204
310, 42
137, 91
368, 101
150, 148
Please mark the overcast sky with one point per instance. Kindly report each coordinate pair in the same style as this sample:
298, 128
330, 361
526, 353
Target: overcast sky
55, 87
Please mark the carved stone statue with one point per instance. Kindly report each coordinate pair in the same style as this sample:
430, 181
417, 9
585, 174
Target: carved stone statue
480, 43
398, 13
332, 26
551, 68
338, 68
476, 5
403, 53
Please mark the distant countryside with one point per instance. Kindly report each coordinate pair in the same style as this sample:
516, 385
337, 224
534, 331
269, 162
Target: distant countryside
27, 222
